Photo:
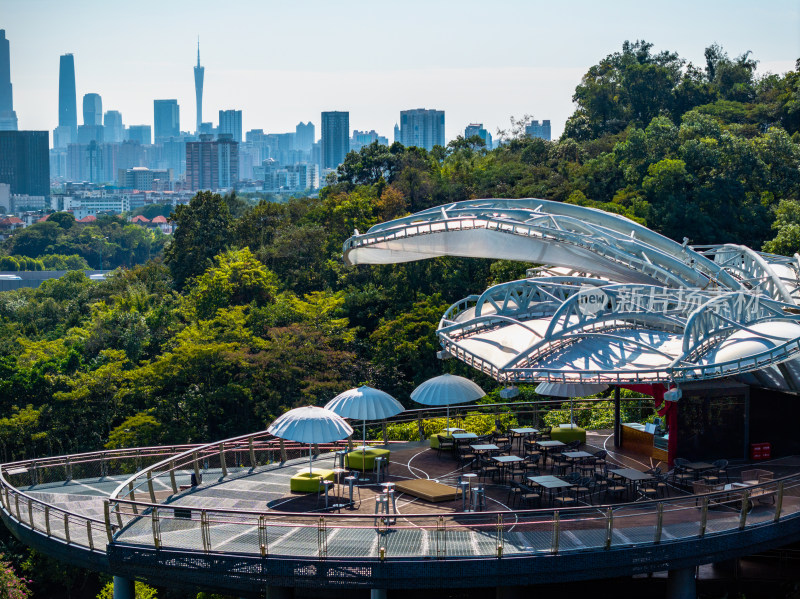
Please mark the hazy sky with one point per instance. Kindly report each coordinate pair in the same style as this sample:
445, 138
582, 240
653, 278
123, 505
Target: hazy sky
283, 62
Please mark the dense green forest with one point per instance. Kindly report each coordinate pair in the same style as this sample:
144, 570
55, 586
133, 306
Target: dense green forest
249, 310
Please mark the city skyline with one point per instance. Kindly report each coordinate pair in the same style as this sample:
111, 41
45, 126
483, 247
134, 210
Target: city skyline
534, 70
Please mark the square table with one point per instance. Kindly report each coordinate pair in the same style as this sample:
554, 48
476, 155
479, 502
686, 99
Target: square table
453, 429
632, 476
550, 483
462, 436
546, 445
524, 431
577, 455
506, 461
486, 447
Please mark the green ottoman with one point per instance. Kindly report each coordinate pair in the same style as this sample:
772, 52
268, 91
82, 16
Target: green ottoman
565, 435
308, 482
365, 460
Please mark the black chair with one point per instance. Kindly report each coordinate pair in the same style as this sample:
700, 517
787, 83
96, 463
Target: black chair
600, 458
466, 456
544, 433
445, 444
721, 470
681, 477
529, 495
489, 468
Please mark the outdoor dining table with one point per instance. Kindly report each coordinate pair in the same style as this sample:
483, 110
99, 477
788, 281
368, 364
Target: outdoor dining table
576, 456
464, 436
506, 461
453, 429
698, 467
523, 432
632, 476
488, 447
547, 445
549, 483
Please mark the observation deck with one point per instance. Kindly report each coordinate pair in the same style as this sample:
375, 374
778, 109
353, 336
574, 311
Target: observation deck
133, 513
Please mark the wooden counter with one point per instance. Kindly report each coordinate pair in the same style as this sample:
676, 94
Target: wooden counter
636, 439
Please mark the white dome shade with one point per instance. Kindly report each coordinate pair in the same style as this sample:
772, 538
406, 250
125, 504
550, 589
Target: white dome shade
569, 389
743, 344
365, 403
446, 390
310, 424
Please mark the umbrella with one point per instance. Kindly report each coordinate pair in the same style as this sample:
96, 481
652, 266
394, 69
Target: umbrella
445, 390
570, 390
365, 403
310, 425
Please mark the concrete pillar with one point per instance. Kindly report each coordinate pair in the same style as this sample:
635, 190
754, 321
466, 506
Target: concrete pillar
124, 588
377, 594
279, 593
681, 584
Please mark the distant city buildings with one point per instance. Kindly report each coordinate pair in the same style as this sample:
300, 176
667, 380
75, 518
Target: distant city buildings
166, 120
421, 128
25, 162
113, 129
476, 129
230, 123
212, 164
335, 129
139, 133
304, 136
67, 131
198, 91
537, 129
92, 128
364, 138
8, 118
144, 179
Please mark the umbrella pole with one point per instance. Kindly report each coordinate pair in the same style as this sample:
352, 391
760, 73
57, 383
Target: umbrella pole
571, 421
448, 417
363, 445
310, 448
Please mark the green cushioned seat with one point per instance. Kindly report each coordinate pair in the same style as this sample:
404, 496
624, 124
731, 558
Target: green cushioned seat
365, 460
565, 435
308, 482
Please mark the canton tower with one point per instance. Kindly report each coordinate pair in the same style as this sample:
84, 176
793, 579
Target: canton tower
198, 88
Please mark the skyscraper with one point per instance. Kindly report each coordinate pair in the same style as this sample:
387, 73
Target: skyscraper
304, 136
477, 129
92, 128
8, 118
537, 129
198, 89
25, 162
335, 138
212, 164
67, 130
422, 128
166, 120
230, 123
114, 129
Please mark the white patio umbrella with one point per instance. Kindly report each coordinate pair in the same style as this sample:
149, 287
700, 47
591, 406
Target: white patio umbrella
310, 424
365, 403
446, 390
571, 390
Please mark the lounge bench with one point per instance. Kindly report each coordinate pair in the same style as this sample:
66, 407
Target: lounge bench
365, 460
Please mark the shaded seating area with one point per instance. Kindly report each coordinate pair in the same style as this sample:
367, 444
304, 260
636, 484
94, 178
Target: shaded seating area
308, 482
360, 459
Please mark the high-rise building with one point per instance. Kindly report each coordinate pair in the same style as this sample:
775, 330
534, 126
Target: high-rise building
212, 164
230, 123
364, 138
198, 90
537, 129
476, 129
140, 133
114, 129
166, 120
422, 128
304, 136
67, 131
8, 118
25, 162
335, 128
92, 109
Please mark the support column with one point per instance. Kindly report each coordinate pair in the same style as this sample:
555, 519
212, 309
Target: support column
377, 594
681, 584
617, 424
124, 588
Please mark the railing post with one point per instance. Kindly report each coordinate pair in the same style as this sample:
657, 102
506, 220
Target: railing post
204, 531
196, 467
30, 513
16, 504
745, 506
107, 514
282, 445
132, 495
172, 480
156, 528
252, 452
68, 469
103, 465
556, 533
222, 460
138, 460
89, 536
659, 522
500, 527
47, 519
322, 538
150, 489
66, 528
703, 517
609, 526
779, 502
262, 535
441, 538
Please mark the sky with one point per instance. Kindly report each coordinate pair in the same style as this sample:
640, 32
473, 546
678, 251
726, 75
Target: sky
285, 62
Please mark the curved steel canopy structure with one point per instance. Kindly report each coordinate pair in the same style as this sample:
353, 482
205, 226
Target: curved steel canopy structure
614, 302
